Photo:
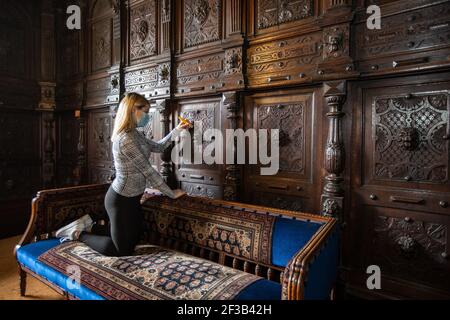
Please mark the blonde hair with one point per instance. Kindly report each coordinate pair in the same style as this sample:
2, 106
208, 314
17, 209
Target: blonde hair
125, 121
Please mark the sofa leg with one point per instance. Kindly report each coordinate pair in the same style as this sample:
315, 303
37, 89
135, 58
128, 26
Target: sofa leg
23, 281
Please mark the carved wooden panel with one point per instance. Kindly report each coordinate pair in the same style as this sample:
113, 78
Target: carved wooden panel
410, 136
293, 185
98, 90
143, 30
410, 31
100, 130
200, 75
411, 248
202, 190
101, 44
202, 21
282, 61
289, 119
275, 12
153, 81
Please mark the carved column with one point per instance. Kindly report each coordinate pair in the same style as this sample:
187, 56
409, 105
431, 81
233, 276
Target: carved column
166, 165
333, 194
79, 172
233, 174
47, 99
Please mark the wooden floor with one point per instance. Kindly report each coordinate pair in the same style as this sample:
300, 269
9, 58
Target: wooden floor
9, 278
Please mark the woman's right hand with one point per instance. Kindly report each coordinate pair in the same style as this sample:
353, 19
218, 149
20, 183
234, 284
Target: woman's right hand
178, 193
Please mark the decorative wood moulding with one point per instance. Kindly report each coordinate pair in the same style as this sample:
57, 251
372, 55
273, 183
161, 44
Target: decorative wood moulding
233, 174
143, 39
333, 194
47, 101
152, 81
275, 12
101, 44
411, 137
408, 40
202, 22
284, 61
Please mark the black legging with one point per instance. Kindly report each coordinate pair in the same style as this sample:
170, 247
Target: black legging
125, 218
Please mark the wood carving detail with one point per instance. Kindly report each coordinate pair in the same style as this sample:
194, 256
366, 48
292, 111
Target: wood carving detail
202, 21
143, 30
411, 249
275, 12
291, 121
419, 29
101, 44
410, 137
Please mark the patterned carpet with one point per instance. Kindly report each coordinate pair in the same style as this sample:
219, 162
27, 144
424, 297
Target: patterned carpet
153, 273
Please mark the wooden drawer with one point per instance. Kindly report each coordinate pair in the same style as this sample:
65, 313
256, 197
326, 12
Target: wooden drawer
408, 246
202, 190
414, 200
406, 38
285, 61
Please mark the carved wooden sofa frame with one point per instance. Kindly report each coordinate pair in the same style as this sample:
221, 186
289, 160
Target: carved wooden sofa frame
54, 208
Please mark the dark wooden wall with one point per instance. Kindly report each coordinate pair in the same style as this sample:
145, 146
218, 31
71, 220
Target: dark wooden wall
363, 114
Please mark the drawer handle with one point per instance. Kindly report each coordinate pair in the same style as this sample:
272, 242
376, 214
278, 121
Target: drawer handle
443, 204
373, 197
199, 188
444, 255
407, 200
197, 89
197, 177
438, 26
278, 187
407, 62
275, 79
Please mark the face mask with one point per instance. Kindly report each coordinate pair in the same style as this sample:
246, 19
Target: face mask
143, 121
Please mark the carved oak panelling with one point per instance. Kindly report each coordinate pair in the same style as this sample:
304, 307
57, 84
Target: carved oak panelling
100, 137
202, 21
411, 249
202, 190
152, 81
143, 30
275, 12
98, 91
200, 75
410, 135
286, 60
424, 28
290, 120
101, 44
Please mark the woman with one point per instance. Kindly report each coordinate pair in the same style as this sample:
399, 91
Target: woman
131, 152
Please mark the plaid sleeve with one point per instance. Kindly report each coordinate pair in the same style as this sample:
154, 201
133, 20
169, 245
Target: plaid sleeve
130, 149
162, 144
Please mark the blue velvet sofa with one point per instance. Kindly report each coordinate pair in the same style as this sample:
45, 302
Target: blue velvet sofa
191, 248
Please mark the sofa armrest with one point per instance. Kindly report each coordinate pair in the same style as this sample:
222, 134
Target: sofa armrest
53, 208
321, 249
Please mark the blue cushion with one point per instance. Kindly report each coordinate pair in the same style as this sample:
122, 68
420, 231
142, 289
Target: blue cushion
261, 290
322, 272
288, 237
27, 255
